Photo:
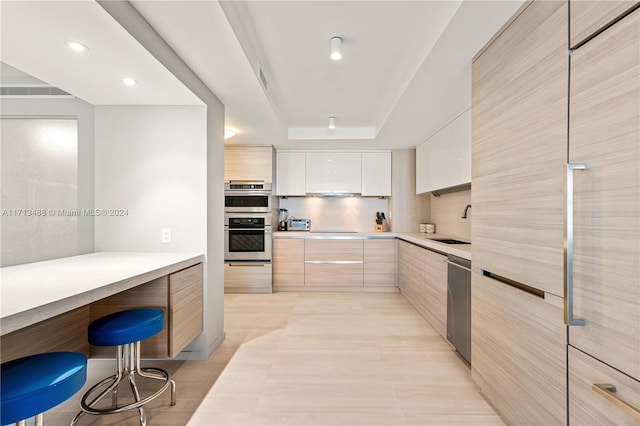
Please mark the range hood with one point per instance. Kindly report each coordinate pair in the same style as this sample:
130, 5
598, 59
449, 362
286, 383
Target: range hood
333, 194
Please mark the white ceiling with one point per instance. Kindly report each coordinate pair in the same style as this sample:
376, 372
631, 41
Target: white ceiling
33, 35
405, 70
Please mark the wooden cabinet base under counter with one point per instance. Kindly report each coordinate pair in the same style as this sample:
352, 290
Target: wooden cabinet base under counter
247, 277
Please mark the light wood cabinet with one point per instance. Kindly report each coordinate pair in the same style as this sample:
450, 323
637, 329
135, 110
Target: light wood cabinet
185, 305
248, 162
589, 17
519, 353
586, 406
520, 149
179, 295
376, 174
434, 294
380, 262
604, 134
330, 262
422, 278
247, 278
288, 262
290, 173
411, 271
333, 172
444, 160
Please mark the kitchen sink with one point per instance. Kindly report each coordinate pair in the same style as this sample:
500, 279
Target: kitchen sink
448, 241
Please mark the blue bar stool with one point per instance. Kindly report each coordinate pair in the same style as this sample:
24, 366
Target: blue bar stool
125, 330
34, 384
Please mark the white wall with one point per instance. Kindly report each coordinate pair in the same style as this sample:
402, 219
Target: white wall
127, 16
151, 163
336, 214
83, 113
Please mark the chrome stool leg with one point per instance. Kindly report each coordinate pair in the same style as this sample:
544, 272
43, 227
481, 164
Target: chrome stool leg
127, 365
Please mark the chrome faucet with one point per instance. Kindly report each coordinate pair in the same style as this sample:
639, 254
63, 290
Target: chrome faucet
464, 212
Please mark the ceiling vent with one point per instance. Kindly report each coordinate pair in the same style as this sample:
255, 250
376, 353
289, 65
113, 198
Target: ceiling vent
33, 91
263, 79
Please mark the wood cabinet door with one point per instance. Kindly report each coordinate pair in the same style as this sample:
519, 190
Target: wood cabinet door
434, 294
253, 163
185, 305
411, 261
590, 16
604, 134
380, 262
518, 350
288, 262
519, 149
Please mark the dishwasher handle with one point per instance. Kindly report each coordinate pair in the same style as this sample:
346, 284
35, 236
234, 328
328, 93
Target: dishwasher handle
456, 265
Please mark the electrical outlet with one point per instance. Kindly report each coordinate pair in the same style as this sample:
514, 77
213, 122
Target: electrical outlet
166, 235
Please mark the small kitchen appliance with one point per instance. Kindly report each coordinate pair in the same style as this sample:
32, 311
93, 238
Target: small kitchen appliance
283, 215
299, 224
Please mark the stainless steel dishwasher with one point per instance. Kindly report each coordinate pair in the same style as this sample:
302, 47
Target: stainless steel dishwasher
459, 305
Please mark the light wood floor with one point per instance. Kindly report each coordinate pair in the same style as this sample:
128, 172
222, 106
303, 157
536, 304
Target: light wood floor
316, 359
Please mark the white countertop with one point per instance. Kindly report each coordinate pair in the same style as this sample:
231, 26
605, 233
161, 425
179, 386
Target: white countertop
37, 291
418, 238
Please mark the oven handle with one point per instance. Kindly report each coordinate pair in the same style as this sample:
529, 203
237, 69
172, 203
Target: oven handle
266, 229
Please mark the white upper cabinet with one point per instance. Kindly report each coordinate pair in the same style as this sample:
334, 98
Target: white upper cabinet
333, 172
444, 160
376, 174
290, 173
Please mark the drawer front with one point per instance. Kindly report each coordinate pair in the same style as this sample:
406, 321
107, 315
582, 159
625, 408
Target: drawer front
288, 262
588, 407
250, 278
333, 274
380, 262
319, 250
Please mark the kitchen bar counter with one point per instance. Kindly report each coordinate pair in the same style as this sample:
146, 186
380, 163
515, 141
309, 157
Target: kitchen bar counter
38, 291
418, 238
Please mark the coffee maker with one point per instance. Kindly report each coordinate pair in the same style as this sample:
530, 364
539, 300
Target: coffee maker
283, 215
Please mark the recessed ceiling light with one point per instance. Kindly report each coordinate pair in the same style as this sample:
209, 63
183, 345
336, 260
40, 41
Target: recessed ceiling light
75, 46
332, 122
128, 81
229, 132
336, 48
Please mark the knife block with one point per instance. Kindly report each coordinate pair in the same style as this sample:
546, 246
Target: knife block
382, 228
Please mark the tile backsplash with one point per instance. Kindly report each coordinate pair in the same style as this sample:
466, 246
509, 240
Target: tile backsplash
350, 214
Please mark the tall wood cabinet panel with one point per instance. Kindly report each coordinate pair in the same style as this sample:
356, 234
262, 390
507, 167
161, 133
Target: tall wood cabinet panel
248, 162
590, 16
185, 305
519, 353
380, 262
519, 149
605, 136
288, 262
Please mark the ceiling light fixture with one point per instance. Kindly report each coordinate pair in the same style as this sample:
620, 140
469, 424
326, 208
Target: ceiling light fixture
75, 46
128, 81
332, 122
336, 48
229, 132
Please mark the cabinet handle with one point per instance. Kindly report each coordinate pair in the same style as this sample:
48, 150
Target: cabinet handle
568, 249
333, 262
608, 392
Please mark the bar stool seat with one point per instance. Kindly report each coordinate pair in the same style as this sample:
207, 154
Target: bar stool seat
125, 330
34, 384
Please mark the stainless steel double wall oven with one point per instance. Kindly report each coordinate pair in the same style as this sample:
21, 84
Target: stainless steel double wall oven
247, 222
